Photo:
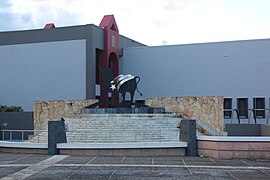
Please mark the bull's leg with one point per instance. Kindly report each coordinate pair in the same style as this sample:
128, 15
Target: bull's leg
123, 96
131, 97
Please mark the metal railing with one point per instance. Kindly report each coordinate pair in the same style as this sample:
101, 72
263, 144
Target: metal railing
21, 135
250, 112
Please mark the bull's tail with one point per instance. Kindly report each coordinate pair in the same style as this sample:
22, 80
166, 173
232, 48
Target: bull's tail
138, 78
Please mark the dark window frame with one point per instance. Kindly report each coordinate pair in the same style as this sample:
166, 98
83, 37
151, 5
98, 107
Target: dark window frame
242, 107
259, 103
227, 108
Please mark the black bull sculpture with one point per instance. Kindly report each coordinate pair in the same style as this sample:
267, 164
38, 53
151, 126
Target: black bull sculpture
120, 84
124, 84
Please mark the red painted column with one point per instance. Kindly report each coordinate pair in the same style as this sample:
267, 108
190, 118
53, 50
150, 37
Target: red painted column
110, 54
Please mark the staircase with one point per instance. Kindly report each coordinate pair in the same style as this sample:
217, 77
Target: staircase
40, 136
123, 128
112, 128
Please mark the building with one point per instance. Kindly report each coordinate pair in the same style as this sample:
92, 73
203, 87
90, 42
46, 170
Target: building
237, 70
54, 63
63, 63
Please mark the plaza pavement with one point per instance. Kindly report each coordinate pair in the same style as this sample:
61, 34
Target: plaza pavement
34, 166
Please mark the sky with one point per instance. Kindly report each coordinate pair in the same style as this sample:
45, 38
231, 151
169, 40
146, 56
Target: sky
152, 22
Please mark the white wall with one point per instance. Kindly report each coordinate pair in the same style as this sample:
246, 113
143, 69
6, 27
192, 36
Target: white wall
230, 69
42, 71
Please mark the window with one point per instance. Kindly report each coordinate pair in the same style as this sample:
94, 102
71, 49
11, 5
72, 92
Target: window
259, 106
242, 107
98, 56
227, 107
113, 41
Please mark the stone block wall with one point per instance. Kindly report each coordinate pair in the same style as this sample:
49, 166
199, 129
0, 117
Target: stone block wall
54, 110
206, 108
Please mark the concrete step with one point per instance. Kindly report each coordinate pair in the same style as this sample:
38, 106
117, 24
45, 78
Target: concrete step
122, 124
129, 136
39, 136
120, 128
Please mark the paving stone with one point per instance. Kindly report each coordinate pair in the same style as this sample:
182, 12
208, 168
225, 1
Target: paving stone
167, 160
137, 160
107, 160
197, 161
76, 160
55, 173
258, 162
93, 173
249, 174
5, 171
232, 162
12, 157
32, 159
132, 167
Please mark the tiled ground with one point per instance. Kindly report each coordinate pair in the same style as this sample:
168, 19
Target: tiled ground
131, 167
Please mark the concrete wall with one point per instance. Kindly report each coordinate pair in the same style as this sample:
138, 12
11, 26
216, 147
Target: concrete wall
265, 130
88, 38
233, 147
91, 37
229, 69
125, 42
42, 71
51, 64
16, 121
94, 40
247, 129
243, 129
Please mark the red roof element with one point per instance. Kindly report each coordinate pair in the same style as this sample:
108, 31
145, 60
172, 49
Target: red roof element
109, 55
108, 22
49, 26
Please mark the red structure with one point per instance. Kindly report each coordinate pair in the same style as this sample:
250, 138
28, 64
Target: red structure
109, 57
49, 26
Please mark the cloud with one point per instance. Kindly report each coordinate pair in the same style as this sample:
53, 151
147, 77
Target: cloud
4, 4
174, 4
11, 20
33, 14
60, 17
6, 20
146, 21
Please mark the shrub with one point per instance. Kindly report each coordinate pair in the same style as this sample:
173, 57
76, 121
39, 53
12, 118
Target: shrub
10, 108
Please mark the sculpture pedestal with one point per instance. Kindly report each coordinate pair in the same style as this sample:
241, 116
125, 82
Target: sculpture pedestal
123, 110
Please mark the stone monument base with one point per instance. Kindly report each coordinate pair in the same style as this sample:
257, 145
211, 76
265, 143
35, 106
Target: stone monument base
123, 110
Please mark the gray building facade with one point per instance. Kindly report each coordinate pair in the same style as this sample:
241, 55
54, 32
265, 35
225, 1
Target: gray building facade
51, 64
61, 63
237, 70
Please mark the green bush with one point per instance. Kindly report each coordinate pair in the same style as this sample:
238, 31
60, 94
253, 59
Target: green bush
10, 108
